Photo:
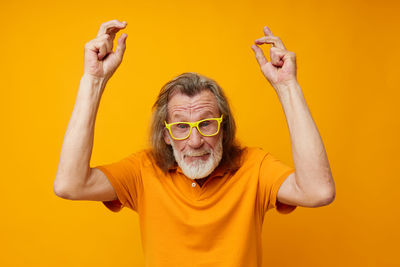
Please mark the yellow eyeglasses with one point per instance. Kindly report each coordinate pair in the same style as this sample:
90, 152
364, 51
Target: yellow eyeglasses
182, 130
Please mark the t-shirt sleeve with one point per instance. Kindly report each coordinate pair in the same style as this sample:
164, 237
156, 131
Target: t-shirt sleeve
125, 177
273, 173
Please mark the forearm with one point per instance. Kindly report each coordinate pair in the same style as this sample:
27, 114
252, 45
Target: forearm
313, 173
74, 163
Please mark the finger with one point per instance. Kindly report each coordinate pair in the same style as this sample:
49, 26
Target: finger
277, 56
259, 55
104, 39
121, 46
111, 27
267, 31
275, 41
103, 46
102, 51
108, 41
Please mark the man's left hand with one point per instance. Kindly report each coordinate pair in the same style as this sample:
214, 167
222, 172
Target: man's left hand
281, 70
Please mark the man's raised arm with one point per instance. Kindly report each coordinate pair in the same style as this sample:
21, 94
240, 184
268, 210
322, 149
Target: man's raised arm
74, 170
312, 184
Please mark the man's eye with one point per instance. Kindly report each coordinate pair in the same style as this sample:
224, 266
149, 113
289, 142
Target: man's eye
182, 125
204, 123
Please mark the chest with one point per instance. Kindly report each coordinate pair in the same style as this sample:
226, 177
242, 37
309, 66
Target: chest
181, 201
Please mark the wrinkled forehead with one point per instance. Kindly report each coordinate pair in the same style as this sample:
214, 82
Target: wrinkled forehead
182, 107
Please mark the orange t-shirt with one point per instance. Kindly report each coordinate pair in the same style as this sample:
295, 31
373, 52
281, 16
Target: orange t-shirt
183, 224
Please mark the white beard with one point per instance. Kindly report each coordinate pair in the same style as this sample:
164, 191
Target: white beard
199, 168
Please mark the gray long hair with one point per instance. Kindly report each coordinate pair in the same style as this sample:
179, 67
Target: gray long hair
190, 84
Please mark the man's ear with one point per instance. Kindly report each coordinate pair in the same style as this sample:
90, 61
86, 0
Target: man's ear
166, 137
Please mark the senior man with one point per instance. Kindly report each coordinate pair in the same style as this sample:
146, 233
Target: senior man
200, 197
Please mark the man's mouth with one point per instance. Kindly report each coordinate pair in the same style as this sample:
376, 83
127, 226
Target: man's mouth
197, 156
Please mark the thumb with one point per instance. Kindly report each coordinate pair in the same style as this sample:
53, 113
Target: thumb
121, 46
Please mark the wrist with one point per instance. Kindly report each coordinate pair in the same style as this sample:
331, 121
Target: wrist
91, 87
93, 78
95, 82
284, 87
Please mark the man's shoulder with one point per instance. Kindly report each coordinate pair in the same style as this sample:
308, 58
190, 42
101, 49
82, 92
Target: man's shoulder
144, 160
253, 153
251, 157
144, 155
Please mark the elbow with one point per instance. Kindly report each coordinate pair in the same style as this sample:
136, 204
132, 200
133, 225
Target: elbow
325, 198
321, 195
61, 192
58, 191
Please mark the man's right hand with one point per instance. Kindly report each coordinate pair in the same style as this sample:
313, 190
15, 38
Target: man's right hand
100, 60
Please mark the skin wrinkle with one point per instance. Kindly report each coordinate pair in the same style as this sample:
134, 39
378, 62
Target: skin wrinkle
180, 117
192, 111
193, 106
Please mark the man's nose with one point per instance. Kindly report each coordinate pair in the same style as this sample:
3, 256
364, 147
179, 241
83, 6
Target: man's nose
195, 138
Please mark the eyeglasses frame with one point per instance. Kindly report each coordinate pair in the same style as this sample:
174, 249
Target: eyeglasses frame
193, 124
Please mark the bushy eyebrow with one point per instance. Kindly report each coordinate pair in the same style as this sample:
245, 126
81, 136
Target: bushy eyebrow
204, 115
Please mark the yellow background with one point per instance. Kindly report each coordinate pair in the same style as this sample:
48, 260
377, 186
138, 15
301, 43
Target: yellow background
348, 67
